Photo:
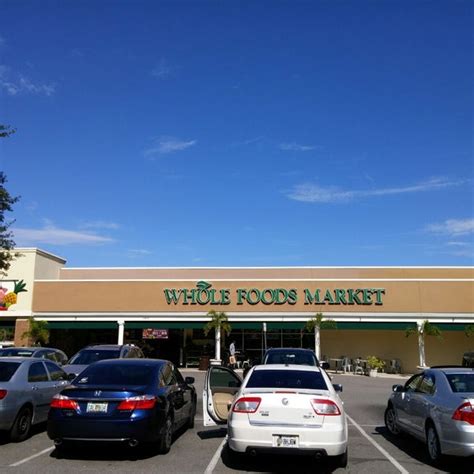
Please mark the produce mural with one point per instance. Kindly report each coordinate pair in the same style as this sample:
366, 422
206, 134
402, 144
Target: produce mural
10, 297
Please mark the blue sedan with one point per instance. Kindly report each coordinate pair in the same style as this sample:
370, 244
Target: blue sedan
124, 400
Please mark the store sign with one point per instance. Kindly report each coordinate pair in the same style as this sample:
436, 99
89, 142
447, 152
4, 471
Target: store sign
204, 294
155, 333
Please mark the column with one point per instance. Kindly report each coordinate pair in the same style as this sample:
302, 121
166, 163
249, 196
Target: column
121, 327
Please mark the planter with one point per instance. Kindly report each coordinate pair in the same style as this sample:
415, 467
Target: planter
373, 372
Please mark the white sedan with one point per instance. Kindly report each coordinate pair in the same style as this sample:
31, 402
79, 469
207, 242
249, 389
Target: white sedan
278, 408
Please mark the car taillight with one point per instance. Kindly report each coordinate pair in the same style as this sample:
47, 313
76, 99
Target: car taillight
465, 413
247, 405
322, 406
64, 403
3, 394
142, 402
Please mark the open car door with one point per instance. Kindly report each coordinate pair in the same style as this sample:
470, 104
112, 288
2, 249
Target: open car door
220, 387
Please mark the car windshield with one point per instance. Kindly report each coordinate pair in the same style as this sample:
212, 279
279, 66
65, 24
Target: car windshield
461, 382
16, 352
123, 375
90, 356
287, 379
7, 369
299, 358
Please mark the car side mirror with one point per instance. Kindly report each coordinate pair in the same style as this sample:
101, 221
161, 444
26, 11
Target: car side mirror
189, 380
398, 388
71, 377
337, 387
324, 365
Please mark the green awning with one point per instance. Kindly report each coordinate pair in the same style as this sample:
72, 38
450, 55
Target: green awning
163, 325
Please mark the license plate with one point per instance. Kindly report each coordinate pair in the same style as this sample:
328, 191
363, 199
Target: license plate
94, 407
280, 441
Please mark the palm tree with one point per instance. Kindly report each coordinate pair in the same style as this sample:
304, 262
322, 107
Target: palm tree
38, 332
316, 323
423, 328
219, 322
469, 330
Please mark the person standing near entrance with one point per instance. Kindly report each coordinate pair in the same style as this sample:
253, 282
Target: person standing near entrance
232, 360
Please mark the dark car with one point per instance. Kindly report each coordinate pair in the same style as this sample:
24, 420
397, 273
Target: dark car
36, 352
134, 401
27, 386
96, 352
288, 355
437, 407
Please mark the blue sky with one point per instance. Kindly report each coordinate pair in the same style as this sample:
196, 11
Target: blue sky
240, 133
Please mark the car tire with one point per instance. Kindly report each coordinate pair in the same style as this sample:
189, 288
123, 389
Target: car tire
390, 419
342, 459
22, 425
433, 446
166, 436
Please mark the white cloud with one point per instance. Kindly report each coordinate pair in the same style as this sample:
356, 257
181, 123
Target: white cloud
167, 145
162, 70
17, 84
453, 227
315, 193
100, 225
50, 234
296, 147
139, 252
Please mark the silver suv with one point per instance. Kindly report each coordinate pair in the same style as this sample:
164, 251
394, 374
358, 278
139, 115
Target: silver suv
94, 353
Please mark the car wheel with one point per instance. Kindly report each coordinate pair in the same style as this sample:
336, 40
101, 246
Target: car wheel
390, 418
190, 423
166, 436
342, 460
432, 444
22, 425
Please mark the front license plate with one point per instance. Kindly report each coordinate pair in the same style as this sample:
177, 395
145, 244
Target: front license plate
280, 441
94, 407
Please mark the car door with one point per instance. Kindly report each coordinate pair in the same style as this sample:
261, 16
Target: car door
403, 400
185, 396
220, 386
58, 377
39, 385
174, 393
421, 402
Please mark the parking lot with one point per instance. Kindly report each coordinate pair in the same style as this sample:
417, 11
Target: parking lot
202, 450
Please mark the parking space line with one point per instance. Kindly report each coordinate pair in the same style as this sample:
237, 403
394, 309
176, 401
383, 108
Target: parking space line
210, 467
18, 463
377, 445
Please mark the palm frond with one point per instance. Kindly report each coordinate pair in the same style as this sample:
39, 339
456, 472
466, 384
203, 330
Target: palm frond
318, 321
469, 330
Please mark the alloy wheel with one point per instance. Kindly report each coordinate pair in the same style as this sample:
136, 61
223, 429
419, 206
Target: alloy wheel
391, 421
432, 442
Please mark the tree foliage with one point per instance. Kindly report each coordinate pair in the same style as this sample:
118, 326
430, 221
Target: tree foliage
469, 330
317, 321
38, 332
426, 329
218, 321
7, 244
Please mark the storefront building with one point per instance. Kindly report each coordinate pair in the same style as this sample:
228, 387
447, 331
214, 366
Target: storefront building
164, 310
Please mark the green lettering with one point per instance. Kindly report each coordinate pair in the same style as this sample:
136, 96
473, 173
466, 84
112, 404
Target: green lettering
172, 296
378, 295
310, 299
340, 296
292, 296
257, 298
328, 297
225, 297
241, 295
267, 300
367, 296
353, 298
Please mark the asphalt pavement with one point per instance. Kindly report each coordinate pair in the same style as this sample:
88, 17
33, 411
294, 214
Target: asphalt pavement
203, 450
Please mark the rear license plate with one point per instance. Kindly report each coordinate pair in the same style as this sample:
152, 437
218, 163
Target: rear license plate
94, 407
280, 441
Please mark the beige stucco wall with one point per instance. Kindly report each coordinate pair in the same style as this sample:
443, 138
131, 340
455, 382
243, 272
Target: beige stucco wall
148, 296
395, 345
32, 264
